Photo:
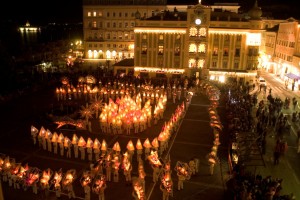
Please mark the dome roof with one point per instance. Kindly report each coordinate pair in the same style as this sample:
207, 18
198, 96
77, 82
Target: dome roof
255, 12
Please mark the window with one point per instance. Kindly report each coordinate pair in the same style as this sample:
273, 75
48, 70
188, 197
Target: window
94, 24
126, 24
132, 24
193, 31
89, 14
225, 52
126, 14
201, 63
107, 24
120, 36
192, 63
94, 14
216, 37
120, 14
192, 48
144, 49
214, 64
126, 36
238, 37
236, 65
144, 37
224, 64
160, 49
100, 24
114, 25
178, 37
226, 37
161, 37
108, 36
120, 24
202, 32
237, 52
100, 14
215, 51
201, 48
107, 14
114, 35
90, 24
114, 14
95, 45
177, 50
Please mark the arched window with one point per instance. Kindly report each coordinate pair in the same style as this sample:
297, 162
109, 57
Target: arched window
201, 48
192, 48
201, 63
202, 32
193, 31
192, 63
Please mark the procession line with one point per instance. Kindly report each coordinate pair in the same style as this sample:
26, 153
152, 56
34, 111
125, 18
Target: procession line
168, 152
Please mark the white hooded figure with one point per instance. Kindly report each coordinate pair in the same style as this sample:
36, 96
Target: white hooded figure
55, 147
49, 142
34, 133
75, 146
62, 149
44, 143
82, 152
90, 153
87, 192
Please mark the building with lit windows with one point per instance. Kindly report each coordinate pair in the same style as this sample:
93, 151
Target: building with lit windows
208, 41
108, 27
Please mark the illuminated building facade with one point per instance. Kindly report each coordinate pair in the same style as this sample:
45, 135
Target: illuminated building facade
108, 27
213, 41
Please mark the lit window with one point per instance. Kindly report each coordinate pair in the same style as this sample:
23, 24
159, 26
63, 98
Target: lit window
201, 63
193, 31
192, 63
177, 50
225, 51
178, 37
202, 32
215, 52
94, 24
144, 37
201, 48
100, 14
161, 37
89, 14
160, 50
94, 14
144, 49
192, 48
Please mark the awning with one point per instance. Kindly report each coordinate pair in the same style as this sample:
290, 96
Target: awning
292, 76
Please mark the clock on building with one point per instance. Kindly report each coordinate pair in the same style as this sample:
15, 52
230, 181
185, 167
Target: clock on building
197, 21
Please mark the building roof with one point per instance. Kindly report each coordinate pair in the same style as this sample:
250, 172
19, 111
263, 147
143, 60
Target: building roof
125, 63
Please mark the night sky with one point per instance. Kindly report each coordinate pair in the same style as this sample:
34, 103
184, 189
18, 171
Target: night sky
70, 11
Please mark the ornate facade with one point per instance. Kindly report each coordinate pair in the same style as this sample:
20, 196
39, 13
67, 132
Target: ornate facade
166, 41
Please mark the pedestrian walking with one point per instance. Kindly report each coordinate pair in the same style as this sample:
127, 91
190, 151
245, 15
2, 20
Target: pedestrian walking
277, 151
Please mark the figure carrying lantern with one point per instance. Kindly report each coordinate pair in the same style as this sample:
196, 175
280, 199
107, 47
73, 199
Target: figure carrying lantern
138, 193
67, 182
183, 173
99, 186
